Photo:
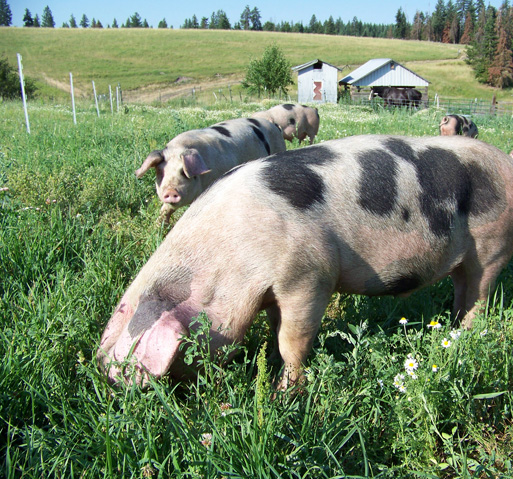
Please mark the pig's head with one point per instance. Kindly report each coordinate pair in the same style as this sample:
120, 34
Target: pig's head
149, 337
177, 174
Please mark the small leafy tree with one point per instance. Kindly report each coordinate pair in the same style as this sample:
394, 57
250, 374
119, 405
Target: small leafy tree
271, 74
10, 87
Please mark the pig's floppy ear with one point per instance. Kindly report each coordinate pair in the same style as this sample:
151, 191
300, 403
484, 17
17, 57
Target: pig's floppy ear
193, 163
154, 158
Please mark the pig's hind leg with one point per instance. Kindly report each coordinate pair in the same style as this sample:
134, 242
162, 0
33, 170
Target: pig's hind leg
300, 317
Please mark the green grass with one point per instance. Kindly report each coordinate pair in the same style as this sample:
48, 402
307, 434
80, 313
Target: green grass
138, 58
75, 228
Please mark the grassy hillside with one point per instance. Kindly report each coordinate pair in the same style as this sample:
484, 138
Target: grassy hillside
151, 58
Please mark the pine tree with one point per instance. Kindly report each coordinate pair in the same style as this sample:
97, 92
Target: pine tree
244, 18
135, 21
401, 25
256, 19
28, 21
47, 20
500, 72
162, 23
115, 24
72, 22
37, 23
5, 14
84, 22
438, 21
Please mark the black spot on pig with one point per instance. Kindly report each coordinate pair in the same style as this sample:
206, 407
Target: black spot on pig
291, 176
376, 286
378, 182
222, 130
261, 137
484, 191
400, 148
288, 106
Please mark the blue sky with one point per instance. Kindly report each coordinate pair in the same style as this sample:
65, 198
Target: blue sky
373, 11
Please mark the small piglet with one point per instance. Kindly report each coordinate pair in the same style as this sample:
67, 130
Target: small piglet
194, 159
458, 125
373, 215
295, 121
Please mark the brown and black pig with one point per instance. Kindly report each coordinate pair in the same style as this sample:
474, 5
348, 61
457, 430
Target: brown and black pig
373, 215
194, 159
295, 121
458, 125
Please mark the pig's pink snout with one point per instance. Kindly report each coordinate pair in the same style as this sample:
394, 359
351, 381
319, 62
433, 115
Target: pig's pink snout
171, 197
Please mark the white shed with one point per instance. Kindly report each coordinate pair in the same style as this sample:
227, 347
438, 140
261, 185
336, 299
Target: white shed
317, 81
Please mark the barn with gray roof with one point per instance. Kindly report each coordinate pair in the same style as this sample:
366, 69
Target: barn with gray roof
382, 72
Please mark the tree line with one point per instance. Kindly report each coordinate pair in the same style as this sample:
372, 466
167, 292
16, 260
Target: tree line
487, 32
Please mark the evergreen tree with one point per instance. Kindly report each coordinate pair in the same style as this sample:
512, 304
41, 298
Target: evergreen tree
401, 25
28, 21
72, 22
500, 73
162, 23
37, 23
468, 30
5, 14
482, 49
84, 21
269, 26
417, 29
47, 20
256, 19
329, 26
115, 24
245, 18
438, 20
135, 21
204, 23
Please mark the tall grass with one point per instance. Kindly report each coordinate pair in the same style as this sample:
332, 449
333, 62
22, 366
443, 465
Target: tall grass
75, 228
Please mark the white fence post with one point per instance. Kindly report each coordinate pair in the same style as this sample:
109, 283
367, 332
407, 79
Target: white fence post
110, 96
96, 100
72, 98
20, 68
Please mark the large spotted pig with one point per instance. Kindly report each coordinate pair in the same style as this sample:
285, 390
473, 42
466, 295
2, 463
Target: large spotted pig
194, 159
458, 125
295, 121
374, 215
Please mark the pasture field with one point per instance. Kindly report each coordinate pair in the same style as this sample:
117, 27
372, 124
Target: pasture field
150, 62
75, 228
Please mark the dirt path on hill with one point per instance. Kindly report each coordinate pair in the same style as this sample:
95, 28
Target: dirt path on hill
181, 88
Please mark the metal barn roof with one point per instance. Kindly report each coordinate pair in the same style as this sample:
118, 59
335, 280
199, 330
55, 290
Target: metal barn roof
311, 63
383, 72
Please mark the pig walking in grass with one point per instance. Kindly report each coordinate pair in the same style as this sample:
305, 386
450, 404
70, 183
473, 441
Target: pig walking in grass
373, 215
193, 160
458, 125
295, 121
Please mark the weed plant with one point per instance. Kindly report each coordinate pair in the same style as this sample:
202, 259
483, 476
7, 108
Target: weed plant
385, 397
